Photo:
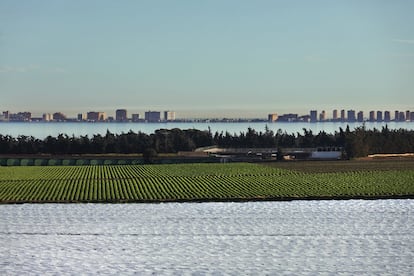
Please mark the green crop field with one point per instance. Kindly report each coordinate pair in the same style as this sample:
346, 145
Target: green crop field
194, 182
346, 165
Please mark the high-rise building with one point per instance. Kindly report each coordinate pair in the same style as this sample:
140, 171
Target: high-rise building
47, 117
304, 118
401, 117
360, 116
290, 117
322, 116
372, 116
412, 116
121, 115
396, 115
96, 116
59, 116
335, 115
20, 117
170, 115
407, 115
152, 116
135, 117
379, 116
313, 115
387, 116
351, 116
81, 117
343, 119
272, 117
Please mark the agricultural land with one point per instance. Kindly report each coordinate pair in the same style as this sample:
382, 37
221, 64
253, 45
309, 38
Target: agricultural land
208, 182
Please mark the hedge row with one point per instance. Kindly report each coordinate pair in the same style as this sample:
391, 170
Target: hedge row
86, 162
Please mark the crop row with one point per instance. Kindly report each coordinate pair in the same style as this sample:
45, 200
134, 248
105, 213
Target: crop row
196, 182
135, 171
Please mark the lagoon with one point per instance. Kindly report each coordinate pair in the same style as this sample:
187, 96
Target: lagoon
43, 129
275, 238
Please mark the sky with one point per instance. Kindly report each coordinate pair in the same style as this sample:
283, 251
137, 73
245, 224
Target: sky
214, 58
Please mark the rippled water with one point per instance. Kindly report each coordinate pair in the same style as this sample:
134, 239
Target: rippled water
42, 129
277, 238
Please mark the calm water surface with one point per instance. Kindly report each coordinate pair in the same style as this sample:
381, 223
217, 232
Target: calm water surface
43, 129
275, 238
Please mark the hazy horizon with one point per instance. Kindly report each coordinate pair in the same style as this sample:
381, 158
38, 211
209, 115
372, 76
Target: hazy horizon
209, 114
206, 59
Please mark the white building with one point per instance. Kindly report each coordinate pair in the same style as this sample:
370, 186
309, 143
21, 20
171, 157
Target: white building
47, 117
169, 115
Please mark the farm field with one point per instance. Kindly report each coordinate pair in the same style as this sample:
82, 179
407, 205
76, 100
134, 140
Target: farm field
198, 182
403, 164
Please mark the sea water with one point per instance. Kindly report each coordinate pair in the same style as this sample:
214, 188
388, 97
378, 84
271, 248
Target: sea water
43, 129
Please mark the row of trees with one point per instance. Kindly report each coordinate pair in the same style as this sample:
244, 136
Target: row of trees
356, 143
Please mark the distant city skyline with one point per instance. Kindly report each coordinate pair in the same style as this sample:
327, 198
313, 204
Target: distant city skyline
121, 115
227, 58
183, 114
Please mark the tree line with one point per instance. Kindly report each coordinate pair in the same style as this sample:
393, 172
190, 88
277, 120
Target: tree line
356, 143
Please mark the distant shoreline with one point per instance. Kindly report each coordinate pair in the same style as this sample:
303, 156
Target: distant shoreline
42, 130
205, 120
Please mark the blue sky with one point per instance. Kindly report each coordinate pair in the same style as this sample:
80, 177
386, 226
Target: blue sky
222, 58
